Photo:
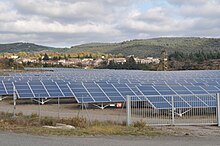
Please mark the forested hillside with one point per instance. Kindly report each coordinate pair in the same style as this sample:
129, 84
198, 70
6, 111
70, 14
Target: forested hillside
151, 47
141, 48
22, 47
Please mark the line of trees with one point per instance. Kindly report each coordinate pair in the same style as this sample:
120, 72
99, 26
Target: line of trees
10, 64
194, 61
199, 56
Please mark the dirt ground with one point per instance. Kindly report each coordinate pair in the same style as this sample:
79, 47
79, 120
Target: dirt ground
111, 114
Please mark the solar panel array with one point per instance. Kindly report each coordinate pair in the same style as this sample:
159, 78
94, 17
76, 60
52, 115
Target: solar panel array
96, 86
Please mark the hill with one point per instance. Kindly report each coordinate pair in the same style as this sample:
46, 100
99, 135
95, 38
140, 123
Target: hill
141, 47
151, 47
22, 47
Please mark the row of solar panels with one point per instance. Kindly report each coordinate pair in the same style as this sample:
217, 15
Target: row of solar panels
91, 92
194, 82
113, 85
120, 74
6, 87
133, 77
183, 101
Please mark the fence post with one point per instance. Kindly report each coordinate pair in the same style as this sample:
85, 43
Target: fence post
58, 103
173, 110
14, 100
218, 108
128, 110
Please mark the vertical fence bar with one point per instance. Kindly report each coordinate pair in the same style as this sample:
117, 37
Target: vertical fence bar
39, 108
58, 102
128, 110
173, 116
218, 108
14, 100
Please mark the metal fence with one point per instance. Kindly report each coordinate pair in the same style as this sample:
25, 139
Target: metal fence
132, 110
177, 114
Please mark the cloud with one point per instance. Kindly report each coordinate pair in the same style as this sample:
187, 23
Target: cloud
39, 26
209, 10
191, 2
61, 10
69, 22
155, 20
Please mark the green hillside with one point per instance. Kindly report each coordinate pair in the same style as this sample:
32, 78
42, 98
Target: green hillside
144, 47
22, 47
151, 47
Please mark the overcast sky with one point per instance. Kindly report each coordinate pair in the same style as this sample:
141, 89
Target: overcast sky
70, 22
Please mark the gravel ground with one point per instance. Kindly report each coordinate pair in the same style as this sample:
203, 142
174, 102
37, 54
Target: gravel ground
12, 139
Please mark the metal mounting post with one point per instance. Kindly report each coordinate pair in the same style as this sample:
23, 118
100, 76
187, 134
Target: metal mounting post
58, 103
14, 100
218, 108
173, 110
128, 110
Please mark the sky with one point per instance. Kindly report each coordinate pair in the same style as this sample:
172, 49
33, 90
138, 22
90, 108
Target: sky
63, 23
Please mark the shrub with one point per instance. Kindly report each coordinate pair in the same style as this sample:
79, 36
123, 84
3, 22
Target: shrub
139, 124
48, 121
76, 121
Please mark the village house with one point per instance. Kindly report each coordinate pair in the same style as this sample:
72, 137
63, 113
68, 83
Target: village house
147, 60
117, 60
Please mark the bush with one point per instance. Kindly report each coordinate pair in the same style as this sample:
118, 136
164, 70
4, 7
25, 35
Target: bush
76, 121
48, 121
19, 114
139, 124
34, 115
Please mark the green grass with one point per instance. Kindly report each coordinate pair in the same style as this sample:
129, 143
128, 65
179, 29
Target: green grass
33, 125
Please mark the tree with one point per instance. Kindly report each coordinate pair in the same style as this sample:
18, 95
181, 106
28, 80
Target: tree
111, 64
46, 57
131, 63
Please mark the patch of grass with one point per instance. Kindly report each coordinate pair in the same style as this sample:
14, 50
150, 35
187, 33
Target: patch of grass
33, 125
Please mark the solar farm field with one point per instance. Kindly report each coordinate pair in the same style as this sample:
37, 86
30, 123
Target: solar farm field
160, 91
103, 86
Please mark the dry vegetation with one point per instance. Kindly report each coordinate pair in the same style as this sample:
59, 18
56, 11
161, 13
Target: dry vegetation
33, 125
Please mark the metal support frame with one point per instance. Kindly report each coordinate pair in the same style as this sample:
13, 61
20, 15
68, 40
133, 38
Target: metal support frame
180, 113
128, 110
2, 98
102, 106
41, 100
218, 108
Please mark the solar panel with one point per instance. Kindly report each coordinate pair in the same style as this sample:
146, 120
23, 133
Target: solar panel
8, 86
2, 89
53, 89
123, 89
194, 101
111, 92
23, 90
80, 92
38, 89
159, 102
178, 101
148, 90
